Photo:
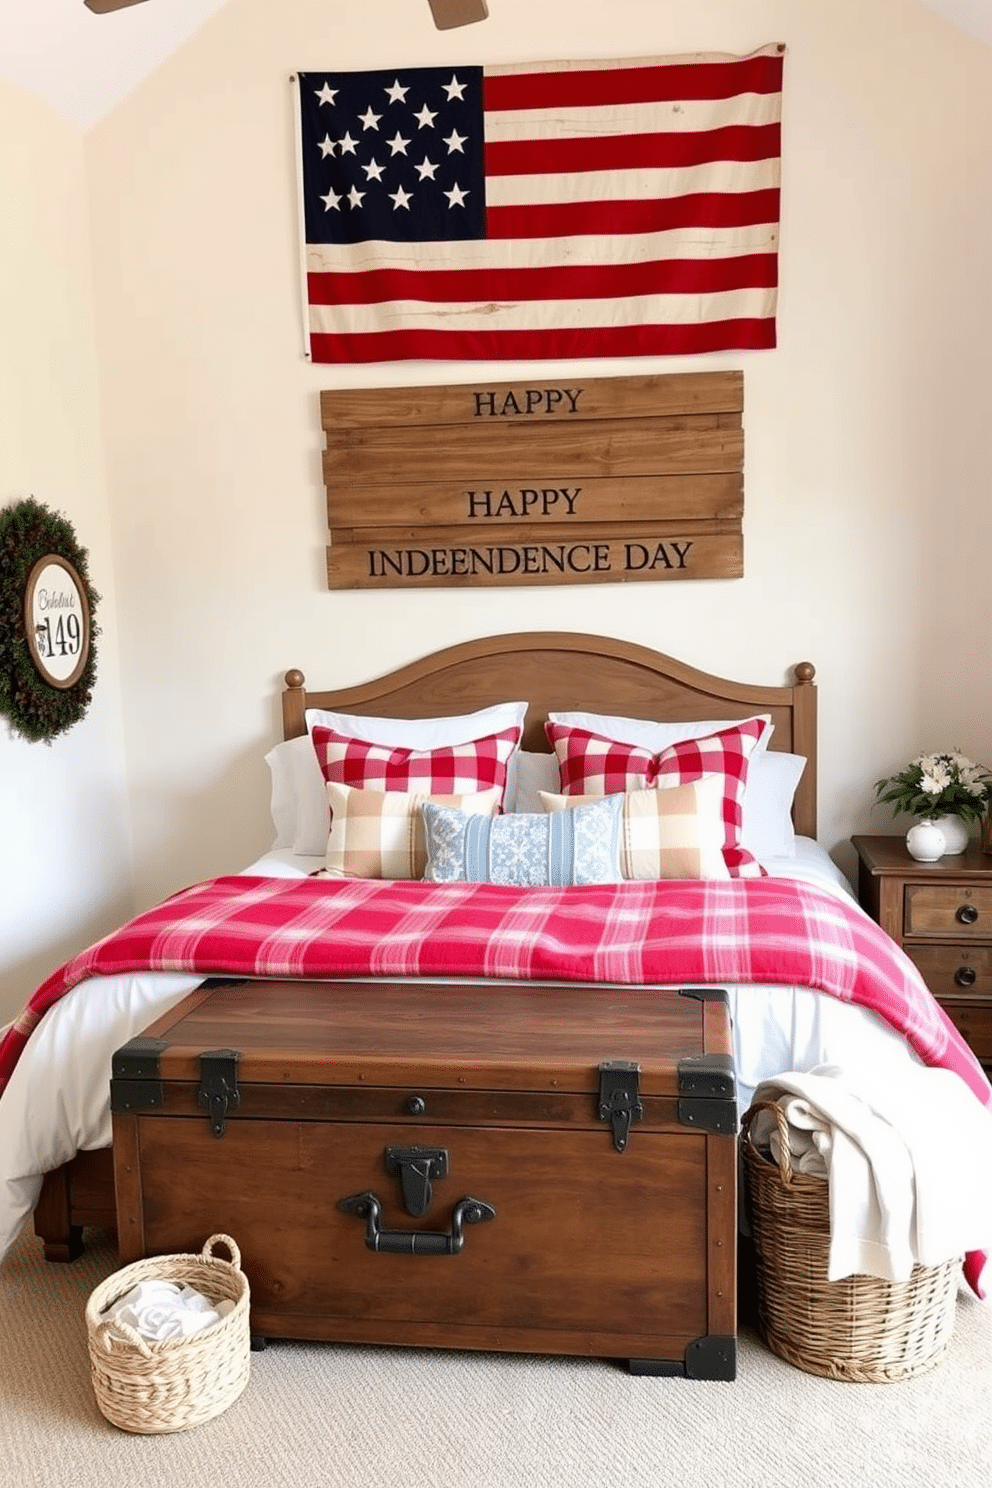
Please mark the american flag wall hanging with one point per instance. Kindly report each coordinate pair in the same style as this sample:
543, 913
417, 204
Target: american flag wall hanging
550, 210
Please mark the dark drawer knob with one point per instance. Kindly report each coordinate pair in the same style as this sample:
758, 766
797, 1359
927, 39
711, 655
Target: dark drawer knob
967, 914
965, 976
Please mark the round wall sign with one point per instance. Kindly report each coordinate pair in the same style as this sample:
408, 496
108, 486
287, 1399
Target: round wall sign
48, 625
57, 620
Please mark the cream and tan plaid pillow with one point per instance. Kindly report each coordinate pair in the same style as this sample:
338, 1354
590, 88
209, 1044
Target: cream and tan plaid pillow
380, 834
673, 833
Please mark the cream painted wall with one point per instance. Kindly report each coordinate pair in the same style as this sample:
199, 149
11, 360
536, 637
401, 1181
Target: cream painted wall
861, 427
64, 836
866, 466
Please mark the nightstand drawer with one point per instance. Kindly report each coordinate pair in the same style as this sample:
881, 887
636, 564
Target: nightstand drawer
948, 909
955, 973
973, 1021
941, 915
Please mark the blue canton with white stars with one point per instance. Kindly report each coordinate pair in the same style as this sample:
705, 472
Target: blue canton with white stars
393, 155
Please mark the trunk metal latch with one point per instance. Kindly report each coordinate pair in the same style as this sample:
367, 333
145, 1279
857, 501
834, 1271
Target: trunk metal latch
219, 1086
416, 1167
619, 1098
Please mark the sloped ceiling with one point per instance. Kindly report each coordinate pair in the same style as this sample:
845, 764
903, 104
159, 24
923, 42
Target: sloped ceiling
84, 64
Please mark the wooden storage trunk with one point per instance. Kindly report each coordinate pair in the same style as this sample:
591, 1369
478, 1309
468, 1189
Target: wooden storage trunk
525, 1168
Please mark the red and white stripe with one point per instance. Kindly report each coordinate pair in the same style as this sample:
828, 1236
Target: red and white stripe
632, 209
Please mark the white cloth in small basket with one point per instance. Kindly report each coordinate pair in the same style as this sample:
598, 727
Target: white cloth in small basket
161, 1310
159, 1385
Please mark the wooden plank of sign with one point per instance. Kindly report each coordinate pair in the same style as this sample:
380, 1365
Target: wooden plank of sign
599, 555
604, 447
567, 399
545, 532
483, 503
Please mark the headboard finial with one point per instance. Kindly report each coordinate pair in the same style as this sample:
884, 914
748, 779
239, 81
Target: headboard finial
805, 671
294, 701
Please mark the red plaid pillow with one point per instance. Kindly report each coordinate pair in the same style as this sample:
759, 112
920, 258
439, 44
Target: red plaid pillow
458, 770
589, 764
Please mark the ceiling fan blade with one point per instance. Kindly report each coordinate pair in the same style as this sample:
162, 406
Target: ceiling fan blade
104, 7
448, 13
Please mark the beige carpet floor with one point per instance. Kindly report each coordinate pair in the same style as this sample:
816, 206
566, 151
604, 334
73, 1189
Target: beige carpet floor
324, 1415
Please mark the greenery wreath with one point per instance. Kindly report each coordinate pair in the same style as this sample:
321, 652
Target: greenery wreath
29, 531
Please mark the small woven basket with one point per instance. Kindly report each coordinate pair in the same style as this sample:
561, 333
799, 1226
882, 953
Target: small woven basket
862, 1328
149, 1387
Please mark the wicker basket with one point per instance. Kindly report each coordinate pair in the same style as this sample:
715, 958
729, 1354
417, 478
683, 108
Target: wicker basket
151, 1387
861, 1328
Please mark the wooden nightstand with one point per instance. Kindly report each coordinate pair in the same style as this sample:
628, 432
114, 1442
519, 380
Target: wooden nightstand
941, 915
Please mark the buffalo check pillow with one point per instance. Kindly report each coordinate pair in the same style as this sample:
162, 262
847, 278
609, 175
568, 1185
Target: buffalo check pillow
592, 765
380, 834
676, 833
453, 770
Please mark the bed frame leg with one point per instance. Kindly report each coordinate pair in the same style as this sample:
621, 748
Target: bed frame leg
63, 1240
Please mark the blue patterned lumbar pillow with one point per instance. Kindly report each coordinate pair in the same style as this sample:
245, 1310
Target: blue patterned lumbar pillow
564, 847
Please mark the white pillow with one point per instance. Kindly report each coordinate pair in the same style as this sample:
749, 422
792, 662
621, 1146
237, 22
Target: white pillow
313, 816
282, 798
657, 736
295, 763
535, 773
421, 733
766, 828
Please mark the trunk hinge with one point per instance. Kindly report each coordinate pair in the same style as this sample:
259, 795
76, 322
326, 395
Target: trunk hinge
219, 1086
708, 1093
619, 1098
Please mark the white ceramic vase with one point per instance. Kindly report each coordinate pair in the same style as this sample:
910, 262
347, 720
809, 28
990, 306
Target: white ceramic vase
955, 833
925, 842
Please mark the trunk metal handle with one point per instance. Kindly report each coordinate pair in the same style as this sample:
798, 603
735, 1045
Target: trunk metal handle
416, 1242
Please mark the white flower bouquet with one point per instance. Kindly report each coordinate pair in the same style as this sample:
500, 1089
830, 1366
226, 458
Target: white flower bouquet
934, 785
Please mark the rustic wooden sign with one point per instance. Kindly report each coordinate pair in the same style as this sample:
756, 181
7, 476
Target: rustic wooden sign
582, 480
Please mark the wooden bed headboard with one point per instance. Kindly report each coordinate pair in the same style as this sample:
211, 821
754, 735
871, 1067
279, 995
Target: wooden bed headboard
558, 670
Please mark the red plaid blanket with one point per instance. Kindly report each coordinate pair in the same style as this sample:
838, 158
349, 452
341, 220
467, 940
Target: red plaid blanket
743, 931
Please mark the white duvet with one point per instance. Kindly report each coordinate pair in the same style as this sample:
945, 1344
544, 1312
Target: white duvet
57, 1100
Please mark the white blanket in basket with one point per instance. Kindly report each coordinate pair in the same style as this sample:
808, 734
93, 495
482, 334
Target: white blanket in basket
908, 1157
